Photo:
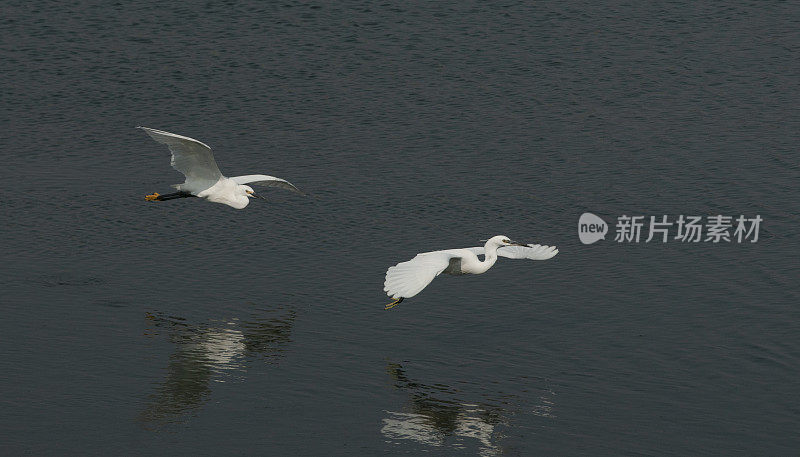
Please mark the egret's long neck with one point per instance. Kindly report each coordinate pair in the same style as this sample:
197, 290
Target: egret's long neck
490, 256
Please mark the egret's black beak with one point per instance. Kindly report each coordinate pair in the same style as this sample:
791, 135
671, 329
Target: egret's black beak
253, 194
517, 243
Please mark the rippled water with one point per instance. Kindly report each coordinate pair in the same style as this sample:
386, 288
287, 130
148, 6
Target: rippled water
190, 328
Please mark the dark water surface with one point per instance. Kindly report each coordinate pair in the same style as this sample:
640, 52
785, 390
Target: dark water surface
189, 328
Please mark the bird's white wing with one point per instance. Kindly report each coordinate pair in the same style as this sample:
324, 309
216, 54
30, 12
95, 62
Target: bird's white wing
407, 279
531, 251
268, 181
189, 156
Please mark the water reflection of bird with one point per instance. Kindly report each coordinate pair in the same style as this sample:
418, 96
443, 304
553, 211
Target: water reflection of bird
210, 352
434, 421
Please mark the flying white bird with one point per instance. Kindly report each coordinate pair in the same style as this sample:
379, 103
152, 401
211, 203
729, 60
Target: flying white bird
407, 279
203, 178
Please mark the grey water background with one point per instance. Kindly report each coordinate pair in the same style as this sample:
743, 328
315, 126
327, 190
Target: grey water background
189, 328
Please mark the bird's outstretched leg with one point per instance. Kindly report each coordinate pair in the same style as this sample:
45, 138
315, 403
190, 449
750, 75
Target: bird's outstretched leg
394, 303
156, 197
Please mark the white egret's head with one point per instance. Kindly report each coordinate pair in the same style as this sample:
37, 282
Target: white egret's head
250, 192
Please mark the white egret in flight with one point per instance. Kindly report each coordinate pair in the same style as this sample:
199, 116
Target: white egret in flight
203, 178
407, 279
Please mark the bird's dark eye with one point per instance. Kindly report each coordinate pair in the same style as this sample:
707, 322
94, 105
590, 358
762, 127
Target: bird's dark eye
505, 241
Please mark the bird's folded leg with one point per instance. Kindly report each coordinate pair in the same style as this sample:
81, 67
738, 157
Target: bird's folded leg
160, 198
394, 303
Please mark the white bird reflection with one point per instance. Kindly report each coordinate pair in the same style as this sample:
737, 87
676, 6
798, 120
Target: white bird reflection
436, 422
215, 352
468, 421
433, 421
222, 347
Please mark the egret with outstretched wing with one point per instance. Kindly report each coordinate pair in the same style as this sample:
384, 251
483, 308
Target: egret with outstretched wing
407, 279
203, 178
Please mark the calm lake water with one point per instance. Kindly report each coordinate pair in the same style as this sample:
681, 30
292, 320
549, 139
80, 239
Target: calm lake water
190, 328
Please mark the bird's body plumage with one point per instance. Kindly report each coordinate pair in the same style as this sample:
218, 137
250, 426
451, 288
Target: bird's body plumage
407, 279
223, 191
203, 178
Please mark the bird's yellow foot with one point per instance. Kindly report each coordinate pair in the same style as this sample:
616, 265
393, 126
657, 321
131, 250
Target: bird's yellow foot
393, 304
152, 198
